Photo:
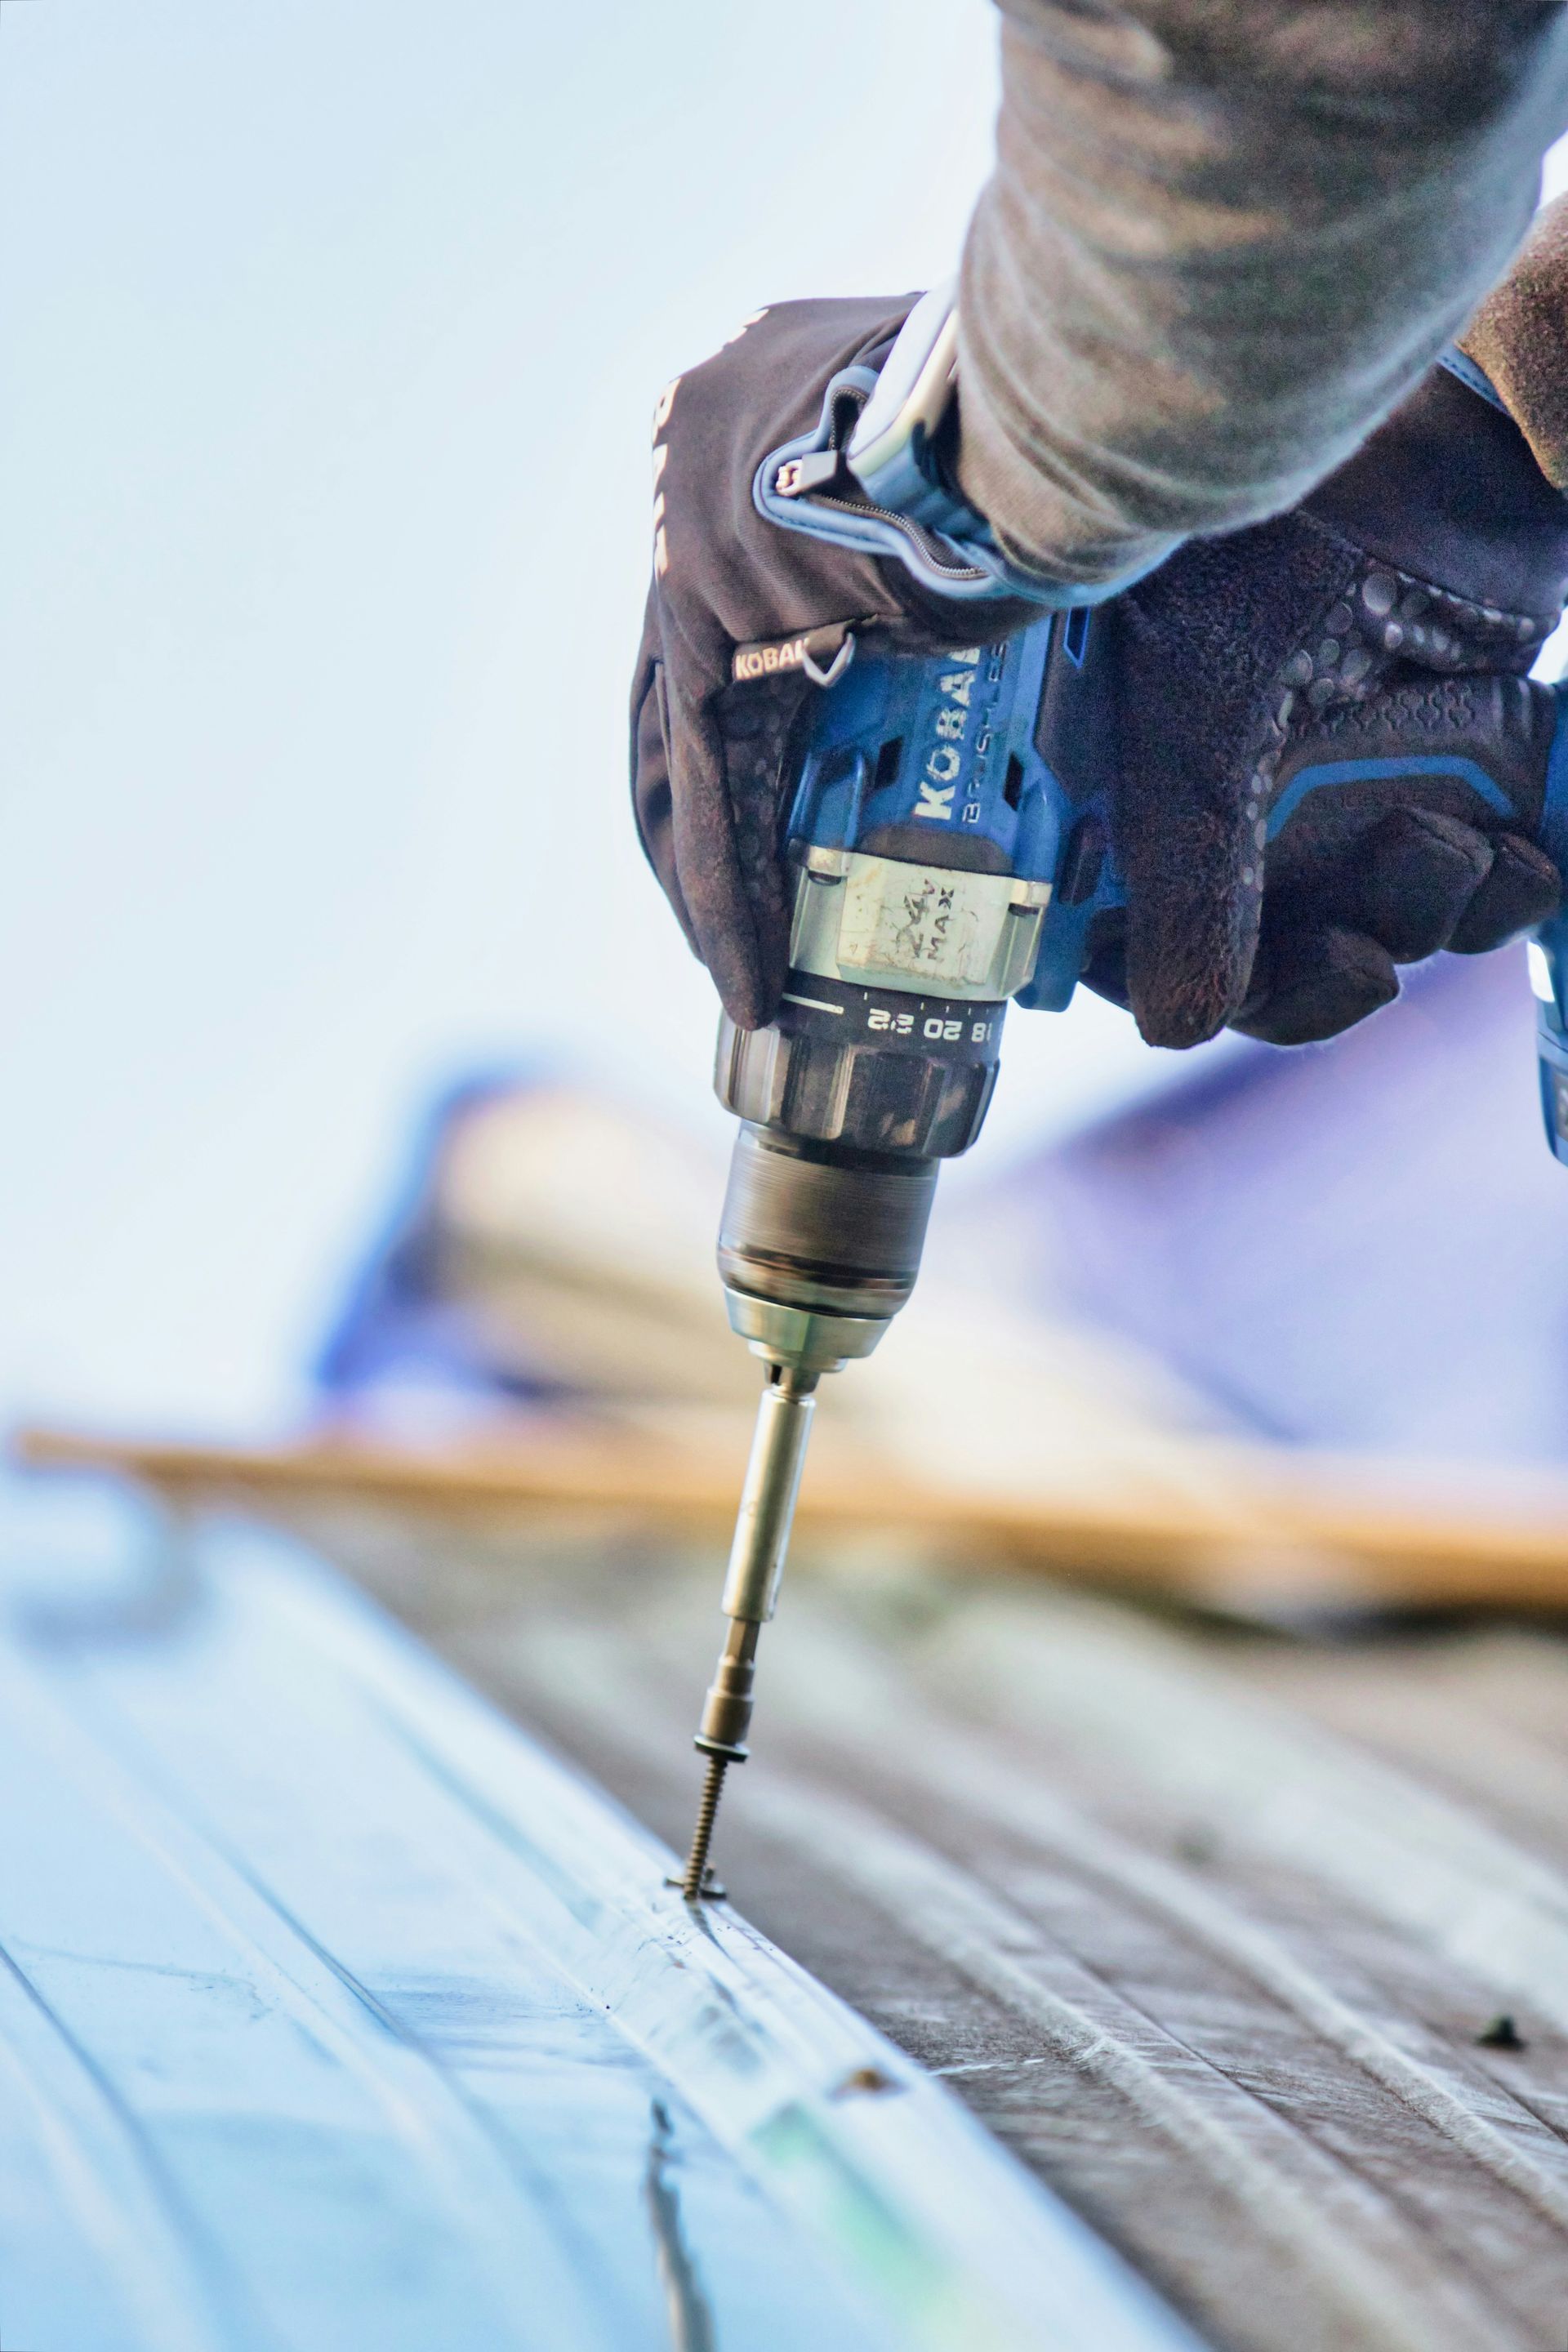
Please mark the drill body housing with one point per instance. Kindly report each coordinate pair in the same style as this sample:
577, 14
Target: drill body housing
949, 835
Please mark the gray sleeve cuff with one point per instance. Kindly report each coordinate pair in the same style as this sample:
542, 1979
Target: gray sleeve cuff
1212, 256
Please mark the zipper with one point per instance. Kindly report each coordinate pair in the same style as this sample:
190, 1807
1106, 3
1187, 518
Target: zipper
916, 533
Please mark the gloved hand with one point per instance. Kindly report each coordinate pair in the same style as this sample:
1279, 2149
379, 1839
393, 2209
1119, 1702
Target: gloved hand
1399, 605
1428, 844
746, 619
1389, 619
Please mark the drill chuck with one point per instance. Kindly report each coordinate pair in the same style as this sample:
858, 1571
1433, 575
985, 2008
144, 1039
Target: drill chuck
848, 1101
835, 1231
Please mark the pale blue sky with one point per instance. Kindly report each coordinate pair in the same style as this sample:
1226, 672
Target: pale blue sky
329, 336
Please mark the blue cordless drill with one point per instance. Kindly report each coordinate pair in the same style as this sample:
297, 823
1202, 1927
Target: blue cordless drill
950, 836
950, 843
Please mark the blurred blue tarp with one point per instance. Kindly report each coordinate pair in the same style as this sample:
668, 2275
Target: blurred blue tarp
1360, 1244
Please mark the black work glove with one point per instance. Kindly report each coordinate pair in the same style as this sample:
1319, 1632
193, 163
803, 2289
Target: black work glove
1392, 617
1390, 869
742, 617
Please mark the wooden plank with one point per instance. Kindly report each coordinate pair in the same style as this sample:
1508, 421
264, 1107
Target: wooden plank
1218, 1973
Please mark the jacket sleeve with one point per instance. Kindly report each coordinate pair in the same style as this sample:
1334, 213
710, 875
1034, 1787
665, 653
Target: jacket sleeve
1222, 240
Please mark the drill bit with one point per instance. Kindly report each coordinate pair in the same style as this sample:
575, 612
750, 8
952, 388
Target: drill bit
750, 1593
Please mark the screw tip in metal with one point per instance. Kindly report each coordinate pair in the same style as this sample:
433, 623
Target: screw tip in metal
695, 1881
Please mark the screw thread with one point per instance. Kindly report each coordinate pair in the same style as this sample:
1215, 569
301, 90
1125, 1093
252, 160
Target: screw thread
702, 1834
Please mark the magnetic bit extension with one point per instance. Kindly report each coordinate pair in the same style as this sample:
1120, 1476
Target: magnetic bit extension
750, 1593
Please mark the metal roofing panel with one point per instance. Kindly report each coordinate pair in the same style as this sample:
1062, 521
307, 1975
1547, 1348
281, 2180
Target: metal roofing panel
335, 2013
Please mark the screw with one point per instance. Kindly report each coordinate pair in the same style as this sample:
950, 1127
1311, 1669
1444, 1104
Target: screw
692, 1885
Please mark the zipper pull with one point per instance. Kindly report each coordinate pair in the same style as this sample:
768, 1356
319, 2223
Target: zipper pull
798, 476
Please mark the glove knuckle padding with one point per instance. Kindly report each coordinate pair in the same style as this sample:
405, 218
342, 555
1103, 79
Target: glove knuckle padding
1314, 980
1408, 854
1522, 889
1419, 878
1413, 880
